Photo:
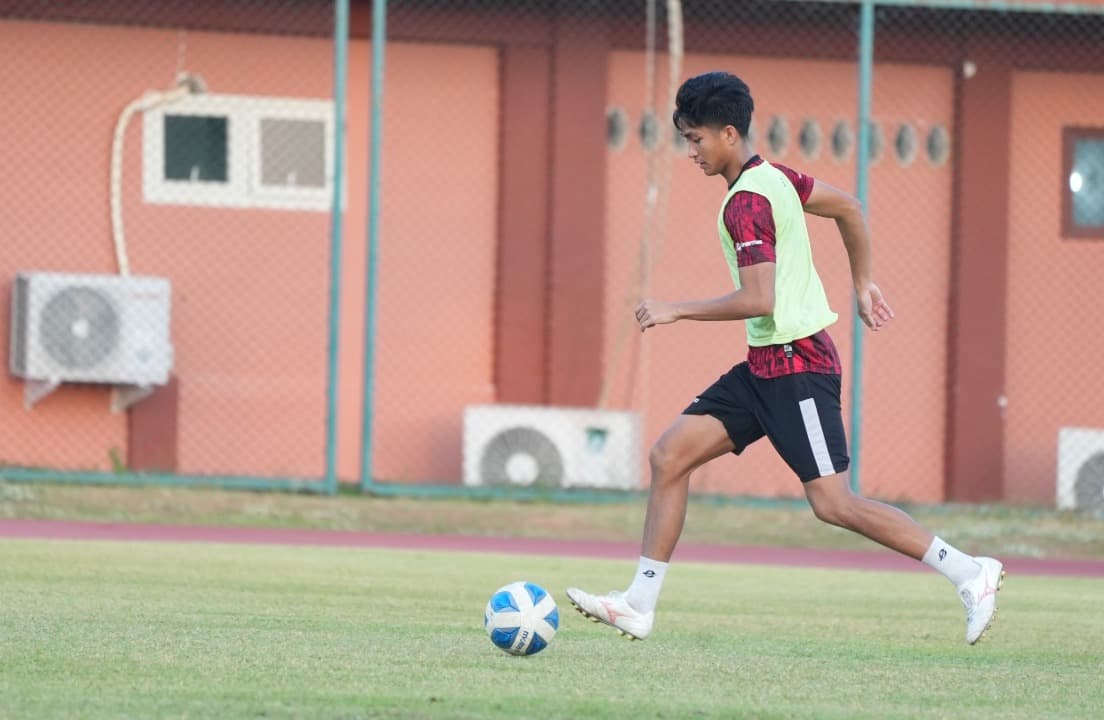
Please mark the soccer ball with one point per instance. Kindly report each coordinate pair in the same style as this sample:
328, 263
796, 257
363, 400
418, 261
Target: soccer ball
521, 618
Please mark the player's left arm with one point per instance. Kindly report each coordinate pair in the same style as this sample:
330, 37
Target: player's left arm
830, 202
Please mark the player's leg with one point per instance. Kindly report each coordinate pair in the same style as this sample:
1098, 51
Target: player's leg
833, 502
689, 443
977, 579
805, 423
719, 421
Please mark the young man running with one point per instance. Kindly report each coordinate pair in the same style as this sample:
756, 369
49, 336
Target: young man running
788, 389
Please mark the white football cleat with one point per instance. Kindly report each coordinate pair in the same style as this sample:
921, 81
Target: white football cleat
612, 609
979, 597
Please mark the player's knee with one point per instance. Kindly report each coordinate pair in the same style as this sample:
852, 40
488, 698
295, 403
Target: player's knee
658, 456
834, 511
665, 460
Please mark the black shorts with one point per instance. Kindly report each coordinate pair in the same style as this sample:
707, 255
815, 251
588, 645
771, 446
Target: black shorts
799, 413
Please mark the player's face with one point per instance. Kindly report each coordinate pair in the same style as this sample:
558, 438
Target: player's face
708, 147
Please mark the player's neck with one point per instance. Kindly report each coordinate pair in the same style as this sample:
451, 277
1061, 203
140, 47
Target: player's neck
735, 165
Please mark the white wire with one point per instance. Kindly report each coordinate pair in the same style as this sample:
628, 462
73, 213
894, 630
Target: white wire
147, 101
657, 183
662, 185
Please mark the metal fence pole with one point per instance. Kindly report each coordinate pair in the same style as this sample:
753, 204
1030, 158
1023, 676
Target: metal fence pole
379, 39
866, 62
341, 54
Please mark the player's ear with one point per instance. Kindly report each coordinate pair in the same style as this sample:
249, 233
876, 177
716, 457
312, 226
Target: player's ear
731, 134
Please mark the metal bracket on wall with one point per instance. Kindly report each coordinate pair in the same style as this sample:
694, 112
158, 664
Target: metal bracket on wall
123, 396
36, 390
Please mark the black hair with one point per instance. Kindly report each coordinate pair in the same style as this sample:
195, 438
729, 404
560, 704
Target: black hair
714, 99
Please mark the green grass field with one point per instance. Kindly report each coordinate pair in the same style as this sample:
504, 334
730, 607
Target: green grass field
137, 630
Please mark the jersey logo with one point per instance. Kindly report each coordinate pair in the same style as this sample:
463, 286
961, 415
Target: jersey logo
740, 246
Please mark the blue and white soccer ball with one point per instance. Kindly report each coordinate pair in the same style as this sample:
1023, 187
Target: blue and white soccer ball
521, 618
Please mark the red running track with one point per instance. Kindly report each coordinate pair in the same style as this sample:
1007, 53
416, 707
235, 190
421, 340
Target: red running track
875, 559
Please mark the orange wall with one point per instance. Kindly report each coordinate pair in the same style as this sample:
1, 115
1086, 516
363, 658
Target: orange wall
437, 257
247, 284
1055, 328
910, 220
250, 286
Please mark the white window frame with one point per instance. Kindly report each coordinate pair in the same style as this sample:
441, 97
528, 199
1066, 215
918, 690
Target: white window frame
243, 188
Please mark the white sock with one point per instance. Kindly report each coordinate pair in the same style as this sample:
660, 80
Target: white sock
956, 566
643, 594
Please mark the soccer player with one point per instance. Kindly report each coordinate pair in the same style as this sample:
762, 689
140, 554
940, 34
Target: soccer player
788, 389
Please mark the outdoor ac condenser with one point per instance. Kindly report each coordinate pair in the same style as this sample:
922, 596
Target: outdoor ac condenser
1080, 468
90, 328
540, 446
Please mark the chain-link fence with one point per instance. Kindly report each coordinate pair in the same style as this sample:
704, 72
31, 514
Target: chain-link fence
532, 189
579, 202
168, 190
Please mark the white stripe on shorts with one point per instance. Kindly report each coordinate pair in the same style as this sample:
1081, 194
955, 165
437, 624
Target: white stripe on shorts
816, 437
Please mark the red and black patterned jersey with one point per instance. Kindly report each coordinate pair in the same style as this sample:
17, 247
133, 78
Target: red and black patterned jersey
750, 222
816, 353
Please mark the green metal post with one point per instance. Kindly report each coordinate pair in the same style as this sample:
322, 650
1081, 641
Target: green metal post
866, 74
341, 55
379, 39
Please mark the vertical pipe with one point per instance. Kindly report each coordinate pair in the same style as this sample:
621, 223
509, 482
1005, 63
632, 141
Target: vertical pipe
379, 39
340, 60
866, 72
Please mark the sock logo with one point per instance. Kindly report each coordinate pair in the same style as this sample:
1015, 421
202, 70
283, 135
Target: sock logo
942, 553
649, 573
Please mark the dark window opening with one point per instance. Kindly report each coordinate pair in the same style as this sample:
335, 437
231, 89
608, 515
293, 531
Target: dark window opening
196, 148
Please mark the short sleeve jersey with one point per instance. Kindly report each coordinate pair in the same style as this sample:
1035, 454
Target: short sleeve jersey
749, 219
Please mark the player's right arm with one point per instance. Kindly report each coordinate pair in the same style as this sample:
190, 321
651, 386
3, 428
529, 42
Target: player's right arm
754, 299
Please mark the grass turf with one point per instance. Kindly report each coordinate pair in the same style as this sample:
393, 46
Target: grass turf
142, 630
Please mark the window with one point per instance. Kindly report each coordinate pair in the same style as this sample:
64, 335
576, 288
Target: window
809, 139
905, 144
1083, 182
842, 140
195, 148
875, 141
239, 151
939, 145
293, 153
778, 135
649, 130
617, 128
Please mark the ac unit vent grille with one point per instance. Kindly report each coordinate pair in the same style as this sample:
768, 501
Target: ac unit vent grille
1081, 468
79, 327
521, 456
1088, 489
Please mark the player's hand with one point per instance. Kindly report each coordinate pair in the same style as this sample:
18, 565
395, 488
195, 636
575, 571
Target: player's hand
872, 307
655, 312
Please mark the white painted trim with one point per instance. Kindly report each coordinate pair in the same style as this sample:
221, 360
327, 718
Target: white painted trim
243, 188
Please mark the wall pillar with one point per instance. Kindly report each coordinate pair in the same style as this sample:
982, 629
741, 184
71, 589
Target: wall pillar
523, 254
577, 237
979, 280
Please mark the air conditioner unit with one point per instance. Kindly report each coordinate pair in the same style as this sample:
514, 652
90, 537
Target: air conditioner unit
90, 329
540, 446
1080, 468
